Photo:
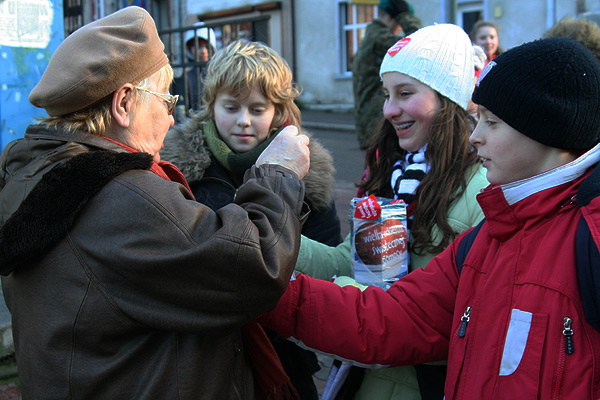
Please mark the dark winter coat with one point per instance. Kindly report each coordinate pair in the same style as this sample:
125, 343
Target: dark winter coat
216, 187
125, 287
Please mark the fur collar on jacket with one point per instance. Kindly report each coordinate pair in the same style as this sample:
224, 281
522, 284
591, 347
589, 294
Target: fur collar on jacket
186, 148
32, 229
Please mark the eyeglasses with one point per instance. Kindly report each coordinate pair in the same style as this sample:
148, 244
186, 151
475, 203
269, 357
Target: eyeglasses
170, 99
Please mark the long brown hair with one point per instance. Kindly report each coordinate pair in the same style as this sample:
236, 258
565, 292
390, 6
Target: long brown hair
450, 156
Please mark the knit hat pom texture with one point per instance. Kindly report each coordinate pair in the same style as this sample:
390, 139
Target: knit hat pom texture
441, 56
548, 90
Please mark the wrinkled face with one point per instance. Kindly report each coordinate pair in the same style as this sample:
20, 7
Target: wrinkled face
150, 121
487, 39
508, 155
243, 122
410, 106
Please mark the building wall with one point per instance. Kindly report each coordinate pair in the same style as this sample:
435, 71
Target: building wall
523, 21
317, 38
317, 52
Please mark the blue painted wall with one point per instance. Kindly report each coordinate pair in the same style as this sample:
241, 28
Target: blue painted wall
28, 41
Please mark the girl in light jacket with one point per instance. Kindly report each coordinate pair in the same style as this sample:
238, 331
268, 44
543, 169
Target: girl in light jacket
421, 154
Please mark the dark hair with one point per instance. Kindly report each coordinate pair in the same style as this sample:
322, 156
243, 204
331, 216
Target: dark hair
394, 7
450, 155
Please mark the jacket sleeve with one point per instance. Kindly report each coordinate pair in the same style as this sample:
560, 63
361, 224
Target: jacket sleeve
321, 261
175, 264
407, 324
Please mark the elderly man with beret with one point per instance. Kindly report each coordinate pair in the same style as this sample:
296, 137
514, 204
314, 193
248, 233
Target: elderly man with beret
120, 285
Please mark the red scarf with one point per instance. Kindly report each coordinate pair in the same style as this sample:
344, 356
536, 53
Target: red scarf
164, 169
271, 380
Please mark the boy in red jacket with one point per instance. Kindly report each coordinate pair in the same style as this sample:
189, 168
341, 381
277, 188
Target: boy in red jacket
515, 321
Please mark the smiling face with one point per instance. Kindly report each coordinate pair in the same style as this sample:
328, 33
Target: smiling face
487, 39
410, 106
243, 122
508, 155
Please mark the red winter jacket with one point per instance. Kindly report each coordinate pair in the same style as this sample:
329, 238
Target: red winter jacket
502, 324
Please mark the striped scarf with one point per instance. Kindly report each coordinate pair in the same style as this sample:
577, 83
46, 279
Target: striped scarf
408, 173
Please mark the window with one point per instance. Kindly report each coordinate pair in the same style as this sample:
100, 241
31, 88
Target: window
353, 17
469, 12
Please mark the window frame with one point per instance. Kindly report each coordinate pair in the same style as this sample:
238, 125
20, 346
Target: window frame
343, 28
466, 6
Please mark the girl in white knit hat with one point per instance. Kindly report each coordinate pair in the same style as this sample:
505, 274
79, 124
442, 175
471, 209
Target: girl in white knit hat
420, 153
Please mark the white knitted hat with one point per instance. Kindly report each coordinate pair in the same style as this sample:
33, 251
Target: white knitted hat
441, 56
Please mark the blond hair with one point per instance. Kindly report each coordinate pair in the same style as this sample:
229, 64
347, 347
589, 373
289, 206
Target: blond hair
582, 30
96, 118
243, 66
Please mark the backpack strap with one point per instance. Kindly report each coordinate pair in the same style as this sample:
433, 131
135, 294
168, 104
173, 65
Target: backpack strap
586, 252
588, 273
465, 246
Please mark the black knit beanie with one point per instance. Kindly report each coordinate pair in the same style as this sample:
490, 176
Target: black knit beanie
548, 90
395, 7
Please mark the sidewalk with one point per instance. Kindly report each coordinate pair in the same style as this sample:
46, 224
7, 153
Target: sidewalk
328, 120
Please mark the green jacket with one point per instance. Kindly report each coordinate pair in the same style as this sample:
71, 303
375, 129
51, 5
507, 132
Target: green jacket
366, 83
323, 262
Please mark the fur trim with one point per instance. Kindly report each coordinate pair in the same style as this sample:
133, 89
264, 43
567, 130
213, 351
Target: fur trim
184, 146
186, 149
35, 227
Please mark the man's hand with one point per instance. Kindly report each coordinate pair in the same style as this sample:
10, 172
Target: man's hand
288, 149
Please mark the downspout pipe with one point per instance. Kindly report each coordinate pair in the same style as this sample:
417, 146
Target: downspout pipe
550, 13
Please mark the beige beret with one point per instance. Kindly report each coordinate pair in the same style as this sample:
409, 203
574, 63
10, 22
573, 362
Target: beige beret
97, 59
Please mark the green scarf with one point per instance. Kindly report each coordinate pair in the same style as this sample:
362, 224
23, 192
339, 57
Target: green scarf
232, 161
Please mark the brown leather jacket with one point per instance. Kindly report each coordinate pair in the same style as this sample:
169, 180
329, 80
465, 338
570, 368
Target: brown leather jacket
123, 286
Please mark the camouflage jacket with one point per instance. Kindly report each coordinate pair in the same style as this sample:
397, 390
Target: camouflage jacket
368, 96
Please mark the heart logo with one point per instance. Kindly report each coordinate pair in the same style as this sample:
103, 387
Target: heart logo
381, 244
368, 209
398, 46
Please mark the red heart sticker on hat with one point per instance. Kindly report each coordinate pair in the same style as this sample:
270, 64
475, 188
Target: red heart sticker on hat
398, 46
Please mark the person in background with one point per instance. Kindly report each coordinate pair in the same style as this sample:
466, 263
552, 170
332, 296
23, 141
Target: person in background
485, 35
396, 20
583, 30
512, 317
200, 46
119, 283
249, 99
421, 154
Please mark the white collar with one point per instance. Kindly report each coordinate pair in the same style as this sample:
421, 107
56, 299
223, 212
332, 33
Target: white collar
519, 190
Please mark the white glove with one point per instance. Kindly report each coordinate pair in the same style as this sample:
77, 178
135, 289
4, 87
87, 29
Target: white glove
288, 149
